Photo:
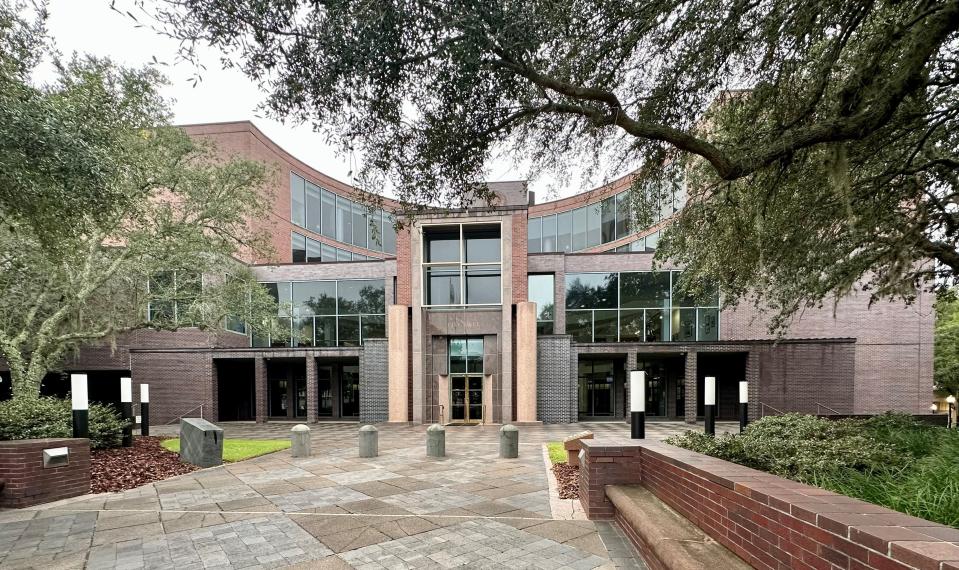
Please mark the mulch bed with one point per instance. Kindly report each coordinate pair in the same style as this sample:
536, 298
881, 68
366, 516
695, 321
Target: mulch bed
567, 478
124, 468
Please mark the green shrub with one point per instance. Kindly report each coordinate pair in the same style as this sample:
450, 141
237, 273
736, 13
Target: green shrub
890, 460
21, 418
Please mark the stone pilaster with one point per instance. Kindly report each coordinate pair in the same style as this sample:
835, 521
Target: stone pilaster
526, 362
399, 342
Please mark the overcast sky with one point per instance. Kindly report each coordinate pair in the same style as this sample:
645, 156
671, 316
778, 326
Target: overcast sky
90, 26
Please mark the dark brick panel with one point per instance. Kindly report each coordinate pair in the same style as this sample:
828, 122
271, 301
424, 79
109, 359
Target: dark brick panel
24, 480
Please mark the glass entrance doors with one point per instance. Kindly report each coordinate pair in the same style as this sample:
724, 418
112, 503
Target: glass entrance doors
466, 399
596, 388
286, 389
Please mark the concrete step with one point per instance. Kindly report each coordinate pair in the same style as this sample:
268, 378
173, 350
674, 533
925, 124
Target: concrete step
666, 538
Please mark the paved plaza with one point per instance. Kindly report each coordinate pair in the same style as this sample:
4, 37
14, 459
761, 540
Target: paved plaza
335, 510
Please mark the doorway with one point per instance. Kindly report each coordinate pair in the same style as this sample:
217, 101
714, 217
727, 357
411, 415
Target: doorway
338, 389
598, 388
286, 389
466, 399
236, 394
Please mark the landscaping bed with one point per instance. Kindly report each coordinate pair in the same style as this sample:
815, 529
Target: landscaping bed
122, 468
239, 449
567, 476
890, 460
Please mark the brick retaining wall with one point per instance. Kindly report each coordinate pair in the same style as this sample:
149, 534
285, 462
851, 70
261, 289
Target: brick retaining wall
768, 521
26, 482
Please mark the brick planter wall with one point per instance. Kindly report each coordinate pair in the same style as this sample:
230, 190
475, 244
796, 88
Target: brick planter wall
770, 522
25, 481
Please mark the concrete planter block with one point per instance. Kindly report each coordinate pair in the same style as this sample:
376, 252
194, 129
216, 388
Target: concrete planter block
436, 441
300, 438
509, 442
573, 445
201, 442
369, 437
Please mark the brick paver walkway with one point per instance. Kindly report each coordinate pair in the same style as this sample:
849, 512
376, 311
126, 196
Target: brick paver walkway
333, 510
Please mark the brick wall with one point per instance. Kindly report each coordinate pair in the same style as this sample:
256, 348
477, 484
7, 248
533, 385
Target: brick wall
25, 481
770, 522
553, 395
374, 381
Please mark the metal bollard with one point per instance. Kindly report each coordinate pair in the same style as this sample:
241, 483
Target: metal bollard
509, 442
436, 441
369, 446
300, 436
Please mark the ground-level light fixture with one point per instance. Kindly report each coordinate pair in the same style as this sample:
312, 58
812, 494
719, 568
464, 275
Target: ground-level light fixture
951, 400
933, 408
126, 409
637, 403
709, 404
80, 405
144, 409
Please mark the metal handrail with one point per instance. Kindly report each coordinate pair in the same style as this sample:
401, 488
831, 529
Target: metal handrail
764, 405
183, 415
824, 406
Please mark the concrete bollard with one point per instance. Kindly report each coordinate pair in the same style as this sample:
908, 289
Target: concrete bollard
300, 435
369, 446
509, 442
436, 441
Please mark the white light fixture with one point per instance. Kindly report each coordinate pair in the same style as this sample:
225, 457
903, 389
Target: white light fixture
743, 392
78, 391
637, 391
933, 408
951, 399
126, 390
710, 396
144, 393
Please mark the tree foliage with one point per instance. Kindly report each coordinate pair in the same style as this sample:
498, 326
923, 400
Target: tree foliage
98, 197
819, 139
946, 359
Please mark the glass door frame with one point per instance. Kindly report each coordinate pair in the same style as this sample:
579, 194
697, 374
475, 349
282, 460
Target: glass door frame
469, 393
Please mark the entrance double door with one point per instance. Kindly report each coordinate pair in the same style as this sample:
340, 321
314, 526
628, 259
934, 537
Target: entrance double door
466, 399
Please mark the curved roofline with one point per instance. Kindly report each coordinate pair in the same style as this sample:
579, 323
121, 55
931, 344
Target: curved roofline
319, 178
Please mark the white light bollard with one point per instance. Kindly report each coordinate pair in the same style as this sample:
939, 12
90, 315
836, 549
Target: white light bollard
144, 409
709, 403
126, 409
637, 404
80, 404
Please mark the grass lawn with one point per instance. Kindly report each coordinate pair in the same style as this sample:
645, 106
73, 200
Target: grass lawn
556, 452
239, 449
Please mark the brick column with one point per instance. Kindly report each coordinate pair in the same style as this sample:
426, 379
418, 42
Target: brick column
312, 393
612, 461
691, 396
259, 388
752, 376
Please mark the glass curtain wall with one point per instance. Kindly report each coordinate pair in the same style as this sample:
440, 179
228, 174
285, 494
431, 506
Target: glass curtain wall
328, 313
646, 306
598, 223
323, 212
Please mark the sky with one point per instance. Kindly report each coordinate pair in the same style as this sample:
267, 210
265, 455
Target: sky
90, 26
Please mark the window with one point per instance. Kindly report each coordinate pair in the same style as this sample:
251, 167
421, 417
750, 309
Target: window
466, 356
297, 200
579, 229
361, 225
608, 219
389, 234
344, 220
534, 235
644, 306
622, 215
314, 251
328, 313
540, 291
564, 232
172, 298
593, 230
549, 233
328, 214
313, 208
462, 265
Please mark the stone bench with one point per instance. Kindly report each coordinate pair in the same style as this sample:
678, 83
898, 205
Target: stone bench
666, 538
573, 444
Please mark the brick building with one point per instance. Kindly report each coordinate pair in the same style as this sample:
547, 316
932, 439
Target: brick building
516, 312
